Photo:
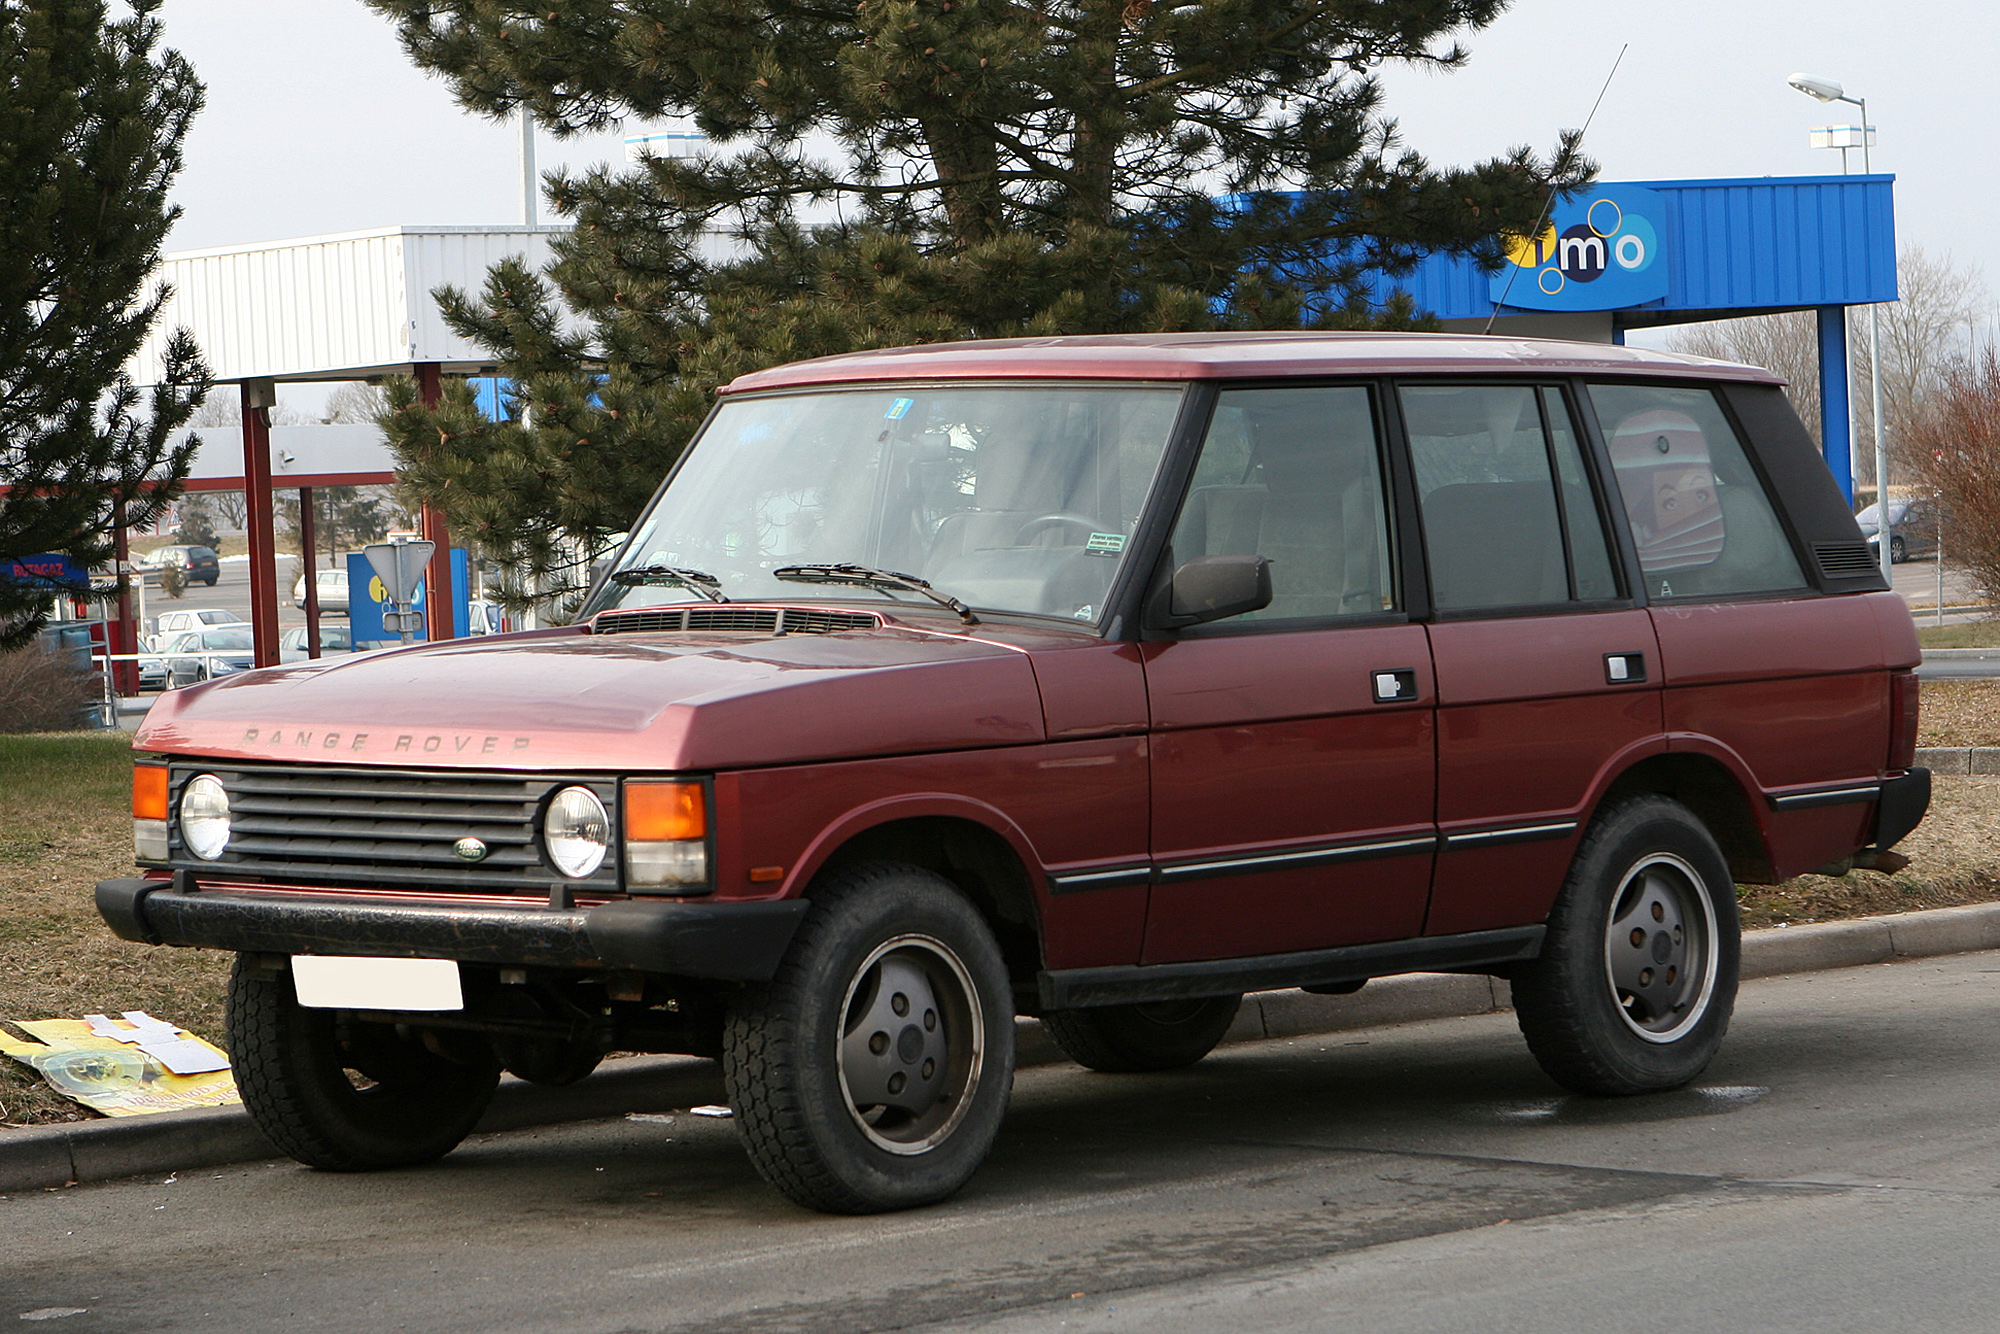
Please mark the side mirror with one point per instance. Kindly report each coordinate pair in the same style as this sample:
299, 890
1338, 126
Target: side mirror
1212, 588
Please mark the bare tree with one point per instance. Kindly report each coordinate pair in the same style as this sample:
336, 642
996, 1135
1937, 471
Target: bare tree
355, 403
1954, 446
1786, 345
225, 408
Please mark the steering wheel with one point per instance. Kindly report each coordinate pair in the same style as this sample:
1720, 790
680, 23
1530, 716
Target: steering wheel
1082, 522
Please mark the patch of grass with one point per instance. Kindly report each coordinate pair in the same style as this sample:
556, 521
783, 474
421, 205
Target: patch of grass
1959, 712
1971, 634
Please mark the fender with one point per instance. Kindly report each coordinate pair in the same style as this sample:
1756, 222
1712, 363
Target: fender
912, 805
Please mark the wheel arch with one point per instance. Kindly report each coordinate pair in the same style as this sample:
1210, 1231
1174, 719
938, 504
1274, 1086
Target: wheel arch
1716, 795
988, 865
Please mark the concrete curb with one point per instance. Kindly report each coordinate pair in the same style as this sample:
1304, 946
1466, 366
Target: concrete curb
54, 1156
1960, 760
1959, 654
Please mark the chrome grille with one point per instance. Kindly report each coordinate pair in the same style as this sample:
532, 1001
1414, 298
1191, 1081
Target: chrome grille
755, 620
301, 824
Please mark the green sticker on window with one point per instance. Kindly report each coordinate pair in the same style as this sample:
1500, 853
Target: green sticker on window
1104, 544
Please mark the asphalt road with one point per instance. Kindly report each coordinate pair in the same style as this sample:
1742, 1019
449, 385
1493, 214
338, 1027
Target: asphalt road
1838, 1168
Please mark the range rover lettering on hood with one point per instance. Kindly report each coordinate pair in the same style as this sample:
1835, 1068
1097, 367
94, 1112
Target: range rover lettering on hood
407, 743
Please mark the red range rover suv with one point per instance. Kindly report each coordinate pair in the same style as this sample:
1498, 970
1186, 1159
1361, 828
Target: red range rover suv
1096, 679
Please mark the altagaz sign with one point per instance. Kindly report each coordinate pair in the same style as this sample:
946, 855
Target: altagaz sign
1600, 251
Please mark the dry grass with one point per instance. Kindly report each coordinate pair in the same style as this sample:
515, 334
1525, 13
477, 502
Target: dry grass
65, 824
1960, 713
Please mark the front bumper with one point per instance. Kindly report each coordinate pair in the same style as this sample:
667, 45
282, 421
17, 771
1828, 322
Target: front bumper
732, 942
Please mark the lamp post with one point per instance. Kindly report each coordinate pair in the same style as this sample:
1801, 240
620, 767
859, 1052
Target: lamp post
1828, 91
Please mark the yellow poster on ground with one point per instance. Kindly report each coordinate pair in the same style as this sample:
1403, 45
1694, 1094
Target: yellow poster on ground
125, 1067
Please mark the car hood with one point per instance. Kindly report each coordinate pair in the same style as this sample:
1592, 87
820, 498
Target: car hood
567, 699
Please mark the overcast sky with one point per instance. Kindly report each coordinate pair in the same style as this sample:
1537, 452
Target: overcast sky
317, 123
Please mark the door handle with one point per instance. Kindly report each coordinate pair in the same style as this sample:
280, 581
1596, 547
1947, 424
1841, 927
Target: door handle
1394, 685
1624, 669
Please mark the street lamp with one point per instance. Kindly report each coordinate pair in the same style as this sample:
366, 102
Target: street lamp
1826, 90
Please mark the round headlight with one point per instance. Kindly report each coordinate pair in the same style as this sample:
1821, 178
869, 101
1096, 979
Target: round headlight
576, 831
205, 817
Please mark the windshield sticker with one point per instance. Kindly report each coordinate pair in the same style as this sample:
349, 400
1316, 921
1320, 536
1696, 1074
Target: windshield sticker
898, 409
1104, 544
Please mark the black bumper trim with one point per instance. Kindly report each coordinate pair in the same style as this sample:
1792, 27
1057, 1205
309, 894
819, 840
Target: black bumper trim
1906, 799
1077, 988
733, 942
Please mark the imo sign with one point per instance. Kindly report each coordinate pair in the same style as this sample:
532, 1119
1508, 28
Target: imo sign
1601, 252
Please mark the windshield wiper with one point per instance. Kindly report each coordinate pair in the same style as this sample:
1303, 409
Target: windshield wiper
867, 576
695, 581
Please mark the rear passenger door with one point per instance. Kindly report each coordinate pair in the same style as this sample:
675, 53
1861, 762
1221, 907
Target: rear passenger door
1292, 749
1547, 674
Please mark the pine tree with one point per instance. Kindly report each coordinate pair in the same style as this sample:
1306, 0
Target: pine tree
91, 125
999, 168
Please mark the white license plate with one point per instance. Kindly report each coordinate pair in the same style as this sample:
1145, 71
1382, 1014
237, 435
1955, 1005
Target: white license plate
333, 982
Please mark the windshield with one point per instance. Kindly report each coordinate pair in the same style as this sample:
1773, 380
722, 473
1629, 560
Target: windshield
1015, 498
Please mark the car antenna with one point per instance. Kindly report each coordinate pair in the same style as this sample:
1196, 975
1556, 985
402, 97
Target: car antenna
1549, 204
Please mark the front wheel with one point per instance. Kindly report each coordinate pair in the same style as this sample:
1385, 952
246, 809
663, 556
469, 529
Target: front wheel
1637, 976
1154, 1035
872, 1072
337, 1093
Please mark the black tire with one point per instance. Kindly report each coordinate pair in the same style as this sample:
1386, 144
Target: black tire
1899, 550
293, 1064
813, 1059
1132, 1039
1637, 976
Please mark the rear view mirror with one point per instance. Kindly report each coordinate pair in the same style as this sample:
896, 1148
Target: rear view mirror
1213, 588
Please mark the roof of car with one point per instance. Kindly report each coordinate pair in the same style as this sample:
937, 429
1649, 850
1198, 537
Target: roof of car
1207, 356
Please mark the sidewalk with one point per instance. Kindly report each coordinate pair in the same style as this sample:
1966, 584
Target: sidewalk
53, 1156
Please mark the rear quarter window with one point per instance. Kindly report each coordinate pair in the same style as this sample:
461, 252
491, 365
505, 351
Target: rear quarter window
1700, 517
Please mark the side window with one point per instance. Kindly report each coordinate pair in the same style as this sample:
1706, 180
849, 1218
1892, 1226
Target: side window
1699, 515
1509, 518
1294, 475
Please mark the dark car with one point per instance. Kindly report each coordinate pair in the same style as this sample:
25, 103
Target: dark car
1913, 527
1102, 680
196, 564
202, 655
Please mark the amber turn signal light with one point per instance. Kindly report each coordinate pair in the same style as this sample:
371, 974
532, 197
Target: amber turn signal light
149, 791
662, 812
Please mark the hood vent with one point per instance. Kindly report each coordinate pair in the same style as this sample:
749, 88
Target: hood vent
747, 620
1845, 560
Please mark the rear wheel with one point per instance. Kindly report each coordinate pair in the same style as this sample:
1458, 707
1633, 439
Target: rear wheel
1899, 551
1156, 1035
873, 1071
1637, 975
337, 1093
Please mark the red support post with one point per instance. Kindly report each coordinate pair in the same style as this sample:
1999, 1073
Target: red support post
257, 398
124, 639
431, 522
309, 560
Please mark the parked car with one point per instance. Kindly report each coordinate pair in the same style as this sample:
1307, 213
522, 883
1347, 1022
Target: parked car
196, 564
1098, 679
333, 591
332, 639
170, 624
487, 618
1913, 527
152, 673
202, 655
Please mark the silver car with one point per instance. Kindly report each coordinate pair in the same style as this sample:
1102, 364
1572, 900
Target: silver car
202, 655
